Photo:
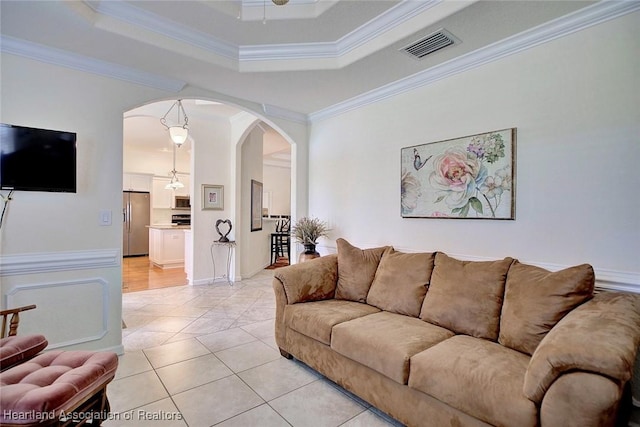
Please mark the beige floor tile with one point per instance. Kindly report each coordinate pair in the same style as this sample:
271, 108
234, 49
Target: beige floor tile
145, 339
226, 339
168, 324
135, 391
263, 329
206, 301
156, 309
316, 404
262, 416
187, 310
178, 351
162, 413
205, 325
181, 336
183, 376
247, 356
214, 402
131, 363
277, 378
134, 321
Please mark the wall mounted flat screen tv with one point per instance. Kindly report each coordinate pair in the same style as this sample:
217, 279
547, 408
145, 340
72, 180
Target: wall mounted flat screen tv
37, 159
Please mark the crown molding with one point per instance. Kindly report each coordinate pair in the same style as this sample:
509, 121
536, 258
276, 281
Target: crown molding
584, 18
137, 17
67, 59
283, 113
367, 32
571, 23
257, 55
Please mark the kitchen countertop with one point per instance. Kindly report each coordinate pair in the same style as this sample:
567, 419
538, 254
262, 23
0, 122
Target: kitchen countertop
169, 227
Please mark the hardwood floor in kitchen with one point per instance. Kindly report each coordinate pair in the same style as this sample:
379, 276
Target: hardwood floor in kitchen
139, 274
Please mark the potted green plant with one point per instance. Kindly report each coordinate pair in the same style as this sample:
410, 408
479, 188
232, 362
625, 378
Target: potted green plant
307, 231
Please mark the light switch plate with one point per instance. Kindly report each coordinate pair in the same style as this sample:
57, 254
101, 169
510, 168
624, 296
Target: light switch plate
105, 217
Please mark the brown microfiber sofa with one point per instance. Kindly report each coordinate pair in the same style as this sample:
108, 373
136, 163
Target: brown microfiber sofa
435, 341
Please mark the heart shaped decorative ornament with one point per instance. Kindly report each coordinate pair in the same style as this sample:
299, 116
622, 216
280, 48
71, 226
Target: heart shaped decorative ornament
223, 236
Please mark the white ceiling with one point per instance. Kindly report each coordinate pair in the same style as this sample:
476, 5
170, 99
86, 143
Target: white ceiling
309, 56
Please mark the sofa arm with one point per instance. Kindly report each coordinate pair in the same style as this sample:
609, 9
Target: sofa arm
601, 336
313, 280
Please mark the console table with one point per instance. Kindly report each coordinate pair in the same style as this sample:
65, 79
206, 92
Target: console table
230, 245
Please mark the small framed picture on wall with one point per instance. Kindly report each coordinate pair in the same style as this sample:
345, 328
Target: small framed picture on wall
212, 197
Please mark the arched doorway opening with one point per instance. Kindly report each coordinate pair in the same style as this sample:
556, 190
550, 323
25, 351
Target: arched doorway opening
209, 157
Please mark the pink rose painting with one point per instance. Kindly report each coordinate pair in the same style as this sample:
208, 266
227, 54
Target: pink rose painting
470, 177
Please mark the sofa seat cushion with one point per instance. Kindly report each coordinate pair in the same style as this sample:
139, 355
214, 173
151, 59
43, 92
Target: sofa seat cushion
316, 319
19, 348
54, 381
478, 377
386, 341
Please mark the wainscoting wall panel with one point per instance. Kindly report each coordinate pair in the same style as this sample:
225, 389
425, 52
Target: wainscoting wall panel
77, 294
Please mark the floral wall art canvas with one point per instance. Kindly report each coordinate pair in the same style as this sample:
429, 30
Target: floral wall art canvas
469, 178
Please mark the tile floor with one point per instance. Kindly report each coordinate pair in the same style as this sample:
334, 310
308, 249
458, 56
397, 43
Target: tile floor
206, 355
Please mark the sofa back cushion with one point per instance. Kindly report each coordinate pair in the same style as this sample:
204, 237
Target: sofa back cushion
356, 270
536, 299
466, 296
401, 282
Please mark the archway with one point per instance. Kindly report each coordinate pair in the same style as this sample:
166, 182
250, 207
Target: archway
216, 136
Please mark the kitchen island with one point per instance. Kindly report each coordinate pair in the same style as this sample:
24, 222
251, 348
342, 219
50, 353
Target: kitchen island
166, 245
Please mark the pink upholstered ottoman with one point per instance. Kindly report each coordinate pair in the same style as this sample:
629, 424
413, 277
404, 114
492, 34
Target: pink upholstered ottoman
18, 349
55, 384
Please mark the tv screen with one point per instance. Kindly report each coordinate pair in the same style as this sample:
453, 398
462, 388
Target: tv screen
37, 159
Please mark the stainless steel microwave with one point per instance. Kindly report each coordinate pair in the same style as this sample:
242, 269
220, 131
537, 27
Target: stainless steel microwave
182, 202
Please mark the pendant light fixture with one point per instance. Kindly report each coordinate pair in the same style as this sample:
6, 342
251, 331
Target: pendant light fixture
178, 132
175, 182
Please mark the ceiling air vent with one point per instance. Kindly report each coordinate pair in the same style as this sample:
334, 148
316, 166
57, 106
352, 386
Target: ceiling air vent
429, 44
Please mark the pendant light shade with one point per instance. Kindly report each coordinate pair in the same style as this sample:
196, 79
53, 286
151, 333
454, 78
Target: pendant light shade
178, 134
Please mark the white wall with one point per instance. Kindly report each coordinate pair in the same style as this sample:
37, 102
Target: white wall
255, 242
277, 181
211, 164
53, 251
576, 104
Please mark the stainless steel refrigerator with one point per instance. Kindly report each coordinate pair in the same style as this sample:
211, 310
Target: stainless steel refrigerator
136, 213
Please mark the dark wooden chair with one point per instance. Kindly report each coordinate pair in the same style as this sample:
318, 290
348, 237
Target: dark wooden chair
280, 240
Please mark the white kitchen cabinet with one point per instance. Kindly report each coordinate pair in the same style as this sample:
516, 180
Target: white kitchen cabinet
161, 198
166, 246
136, 182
